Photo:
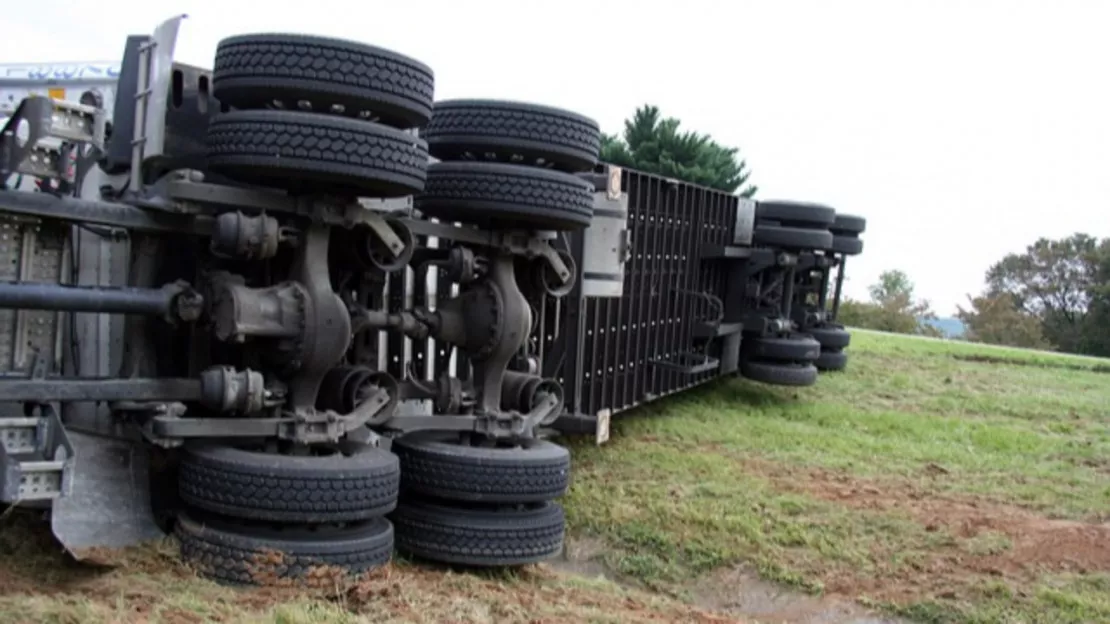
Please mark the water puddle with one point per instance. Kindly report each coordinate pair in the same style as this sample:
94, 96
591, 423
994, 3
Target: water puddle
741, 592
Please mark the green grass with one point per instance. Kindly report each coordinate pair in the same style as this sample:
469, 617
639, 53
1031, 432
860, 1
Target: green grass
942, 481
849, 486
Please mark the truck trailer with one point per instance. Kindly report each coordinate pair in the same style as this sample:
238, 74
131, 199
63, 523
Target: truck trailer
298, 313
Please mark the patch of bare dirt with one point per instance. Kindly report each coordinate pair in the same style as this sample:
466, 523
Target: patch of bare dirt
537, 594
584, 556
1025, 544
32, 561
740, 590
1015, 361
1099, 464
737, 591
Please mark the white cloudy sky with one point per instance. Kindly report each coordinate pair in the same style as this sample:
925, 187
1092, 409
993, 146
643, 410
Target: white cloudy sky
962, 130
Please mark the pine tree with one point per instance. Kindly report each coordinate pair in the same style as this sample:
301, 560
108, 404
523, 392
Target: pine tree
657, 144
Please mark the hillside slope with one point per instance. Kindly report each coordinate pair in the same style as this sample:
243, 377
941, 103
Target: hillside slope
940, 481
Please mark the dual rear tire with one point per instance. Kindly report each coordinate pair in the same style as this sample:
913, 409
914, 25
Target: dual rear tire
509, 165
259, 518
480, 505
780, 360
319, 115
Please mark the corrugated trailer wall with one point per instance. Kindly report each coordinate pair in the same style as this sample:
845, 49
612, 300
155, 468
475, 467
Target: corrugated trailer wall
645, 343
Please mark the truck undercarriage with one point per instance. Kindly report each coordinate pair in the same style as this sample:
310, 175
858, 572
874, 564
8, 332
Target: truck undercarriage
294, 305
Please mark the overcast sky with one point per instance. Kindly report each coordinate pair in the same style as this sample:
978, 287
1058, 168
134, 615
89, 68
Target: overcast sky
962, 130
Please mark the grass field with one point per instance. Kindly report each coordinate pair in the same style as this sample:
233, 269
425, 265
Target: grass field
937, 481
944, 481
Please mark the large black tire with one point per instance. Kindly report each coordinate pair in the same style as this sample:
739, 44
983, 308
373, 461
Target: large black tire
329, 75
845, 224
316, 153
846, 245
497, 195
795, 214
779, 373
285, 488
830, 361
479, 537
433, 465
831, 336
264, 555
795, 239
513, 132
795, 348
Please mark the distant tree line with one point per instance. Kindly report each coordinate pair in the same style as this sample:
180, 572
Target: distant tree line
892, 307
1054, 295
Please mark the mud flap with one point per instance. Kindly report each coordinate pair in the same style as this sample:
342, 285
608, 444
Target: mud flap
109, 506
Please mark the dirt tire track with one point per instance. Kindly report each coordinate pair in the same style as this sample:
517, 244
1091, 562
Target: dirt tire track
1031, 544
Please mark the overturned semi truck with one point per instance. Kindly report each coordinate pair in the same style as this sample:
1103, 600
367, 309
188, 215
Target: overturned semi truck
294, 305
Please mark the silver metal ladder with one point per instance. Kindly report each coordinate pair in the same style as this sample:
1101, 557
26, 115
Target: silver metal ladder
35, 457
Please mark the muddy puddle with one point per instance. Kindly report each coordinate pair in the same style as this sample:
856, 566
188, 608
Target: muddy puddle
737, 592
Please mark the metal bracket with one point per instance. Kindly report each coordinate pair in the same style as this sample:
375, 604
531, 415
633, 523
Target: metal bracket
35, 457
522, 244
607, 244
688, 363
726, 252
613, 188
34, 140
760, 323
526, 244
601, 430
306, 426
517, 425
358, 214
186, 189
744, 225
507, 424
